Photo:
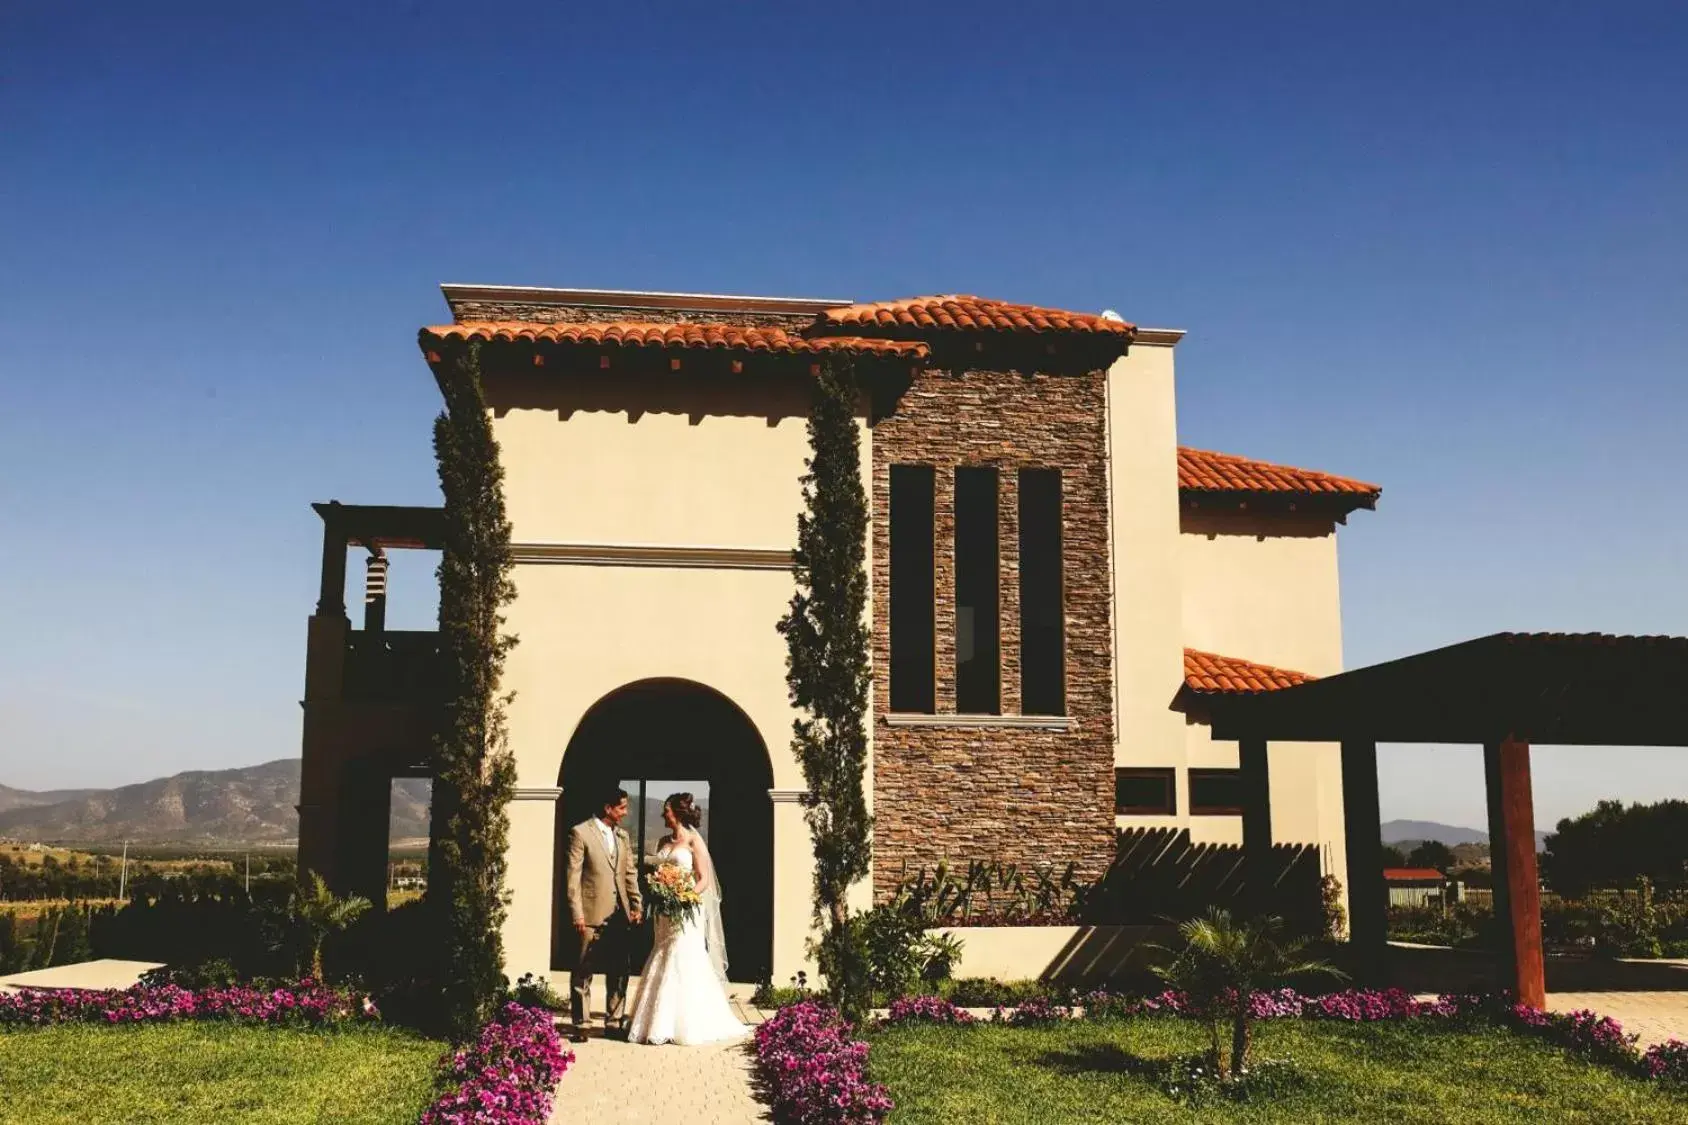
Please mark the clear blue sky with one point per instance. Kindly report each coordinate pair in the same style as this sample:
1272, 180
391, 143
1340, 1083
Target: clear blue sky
1443, 250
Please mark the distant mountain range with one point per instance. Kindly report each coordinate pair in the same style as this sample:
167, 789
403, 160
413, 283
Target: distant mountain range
1417, 831
253, 805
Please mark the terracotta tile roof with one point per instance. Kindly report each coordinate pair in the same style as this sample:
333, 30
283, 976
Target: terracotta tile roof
1207, 673
971, 314
1200, 470
723, 337
1412, 874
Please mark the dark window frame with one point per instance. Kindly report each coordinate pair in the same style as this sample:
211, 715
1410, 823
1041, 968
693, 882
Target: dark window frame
912, 619
1043, 590
1234, 776
1166, 775
977, 582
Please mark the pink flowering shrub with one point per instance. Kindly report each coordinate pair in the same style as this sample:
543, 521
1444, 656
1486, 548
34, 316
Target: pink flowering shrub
1667, 1061
926, 1009
506, 1076
813, 1072
307, 1004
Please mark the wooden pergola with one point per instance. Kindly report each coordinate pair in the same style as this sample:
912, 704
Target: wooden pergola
1505, 692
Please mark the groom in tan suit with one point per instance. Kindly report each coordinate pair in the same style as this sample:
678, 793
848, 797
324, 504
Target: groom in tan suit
603, 896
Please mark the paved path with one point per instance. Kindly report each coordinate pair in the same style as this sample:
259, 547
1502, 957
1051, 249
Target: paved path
615, 1083
105, 973
1655, 1016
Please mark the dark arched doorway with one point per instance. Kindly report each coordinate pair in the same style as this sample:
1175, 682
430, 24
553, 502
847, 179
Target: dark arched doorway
656, 737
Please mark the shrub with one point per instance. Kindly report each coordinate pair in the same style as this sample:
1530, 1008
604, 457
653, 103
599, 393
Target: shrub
995, 894
536, 992
813, 1072
894, 942
505, 1076
1667, 1061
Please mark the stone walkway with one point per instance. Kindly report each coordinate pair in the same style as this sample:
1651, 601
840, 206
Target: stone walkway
1655, 1016
624, 1084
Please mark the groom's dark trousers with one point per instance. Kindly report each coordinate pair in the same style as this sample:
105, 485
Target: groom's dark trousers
602, 950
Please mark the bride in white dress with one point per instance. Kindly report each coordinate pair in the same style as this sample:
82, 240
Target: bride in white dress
682, 988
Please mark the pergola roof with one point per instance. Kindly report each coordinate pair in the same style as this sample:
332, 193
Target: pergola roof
1587, 689
378, 526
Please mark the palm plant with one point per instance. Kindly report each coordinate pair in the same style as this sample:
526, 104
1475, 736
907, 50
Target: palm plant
321, 913
1223, 963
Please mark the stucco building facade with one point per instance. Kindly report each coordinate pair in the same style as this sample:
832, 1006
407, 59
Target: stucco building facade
1056, 583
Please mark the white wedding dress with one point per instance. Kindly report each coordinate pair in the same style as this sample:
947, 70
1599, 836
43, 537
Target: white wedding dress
682, 997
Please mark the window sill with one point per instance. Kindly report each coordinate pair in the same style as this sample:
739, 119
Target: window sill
1061, 723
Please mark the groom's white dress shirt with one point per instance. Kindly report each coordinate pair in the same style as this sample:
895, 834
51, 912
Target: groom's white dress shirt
608, 834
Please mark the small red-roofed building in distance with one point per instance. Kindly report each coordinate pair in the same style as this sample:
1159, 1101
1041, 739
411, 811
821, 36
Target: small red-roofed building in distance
1061, 594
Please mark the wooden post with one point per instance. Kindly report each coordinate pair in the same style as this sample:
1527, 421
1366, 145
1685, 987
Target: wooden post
1368, 898
1257, 823
1512, 848
331, 601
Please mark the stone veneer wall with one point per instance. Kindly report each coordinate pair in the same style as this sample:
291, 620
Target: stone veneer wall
965, 793
601, 314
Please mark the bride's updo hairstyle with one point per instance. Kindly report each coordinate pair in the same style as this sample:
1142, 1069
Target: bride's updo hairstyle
684, 809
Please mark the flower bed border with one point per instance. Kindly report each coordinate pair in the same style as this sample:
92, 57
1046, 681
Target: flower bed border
506, 1076
306, 1004
813, 1071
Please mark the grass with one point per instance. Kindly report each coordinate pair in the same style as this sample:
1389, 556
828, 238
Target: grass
89, 1074
1404, 1074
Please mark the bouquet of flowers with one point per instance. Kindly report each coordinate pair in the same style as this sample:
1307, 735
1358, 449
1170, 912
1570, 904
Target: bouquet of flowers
673, 893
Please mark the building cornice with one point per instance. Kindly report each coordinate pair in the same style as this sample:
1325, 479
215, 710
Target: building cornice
652, 555
635, 299
1157, 337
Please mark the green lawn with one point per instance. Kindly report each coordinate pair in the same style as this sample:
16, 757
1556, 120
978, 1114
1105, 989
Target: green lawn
1395, 1073
212, 1072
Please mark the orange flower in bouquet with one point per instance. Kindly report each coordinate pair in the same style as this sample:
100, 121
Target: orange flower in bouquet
673, 893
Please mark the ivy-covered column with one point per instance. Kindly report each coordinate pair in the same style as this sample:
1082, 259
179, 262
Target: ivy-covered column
474, 775
827, 671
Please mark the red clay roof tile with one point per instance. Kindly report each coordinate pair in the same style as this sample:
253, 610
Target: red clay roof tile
1207, 673
1412, 874
724, 337
1201, 470
971, 314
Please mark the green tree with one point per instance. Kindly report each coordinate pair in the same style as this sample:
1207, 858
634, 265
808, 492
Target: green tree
1222, 963
1431, 853
320, 913
826, 636
1612, 846
1393, 856
474, 776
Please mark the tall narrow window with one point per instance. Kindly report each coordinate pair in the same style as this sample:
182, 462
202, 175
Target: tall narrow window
913, 585
978, 677
1042, 659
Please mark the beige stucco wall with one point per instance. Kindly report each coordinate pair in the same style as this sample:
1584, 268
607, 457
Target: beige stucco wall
707, 471
1143, 501
1264, 587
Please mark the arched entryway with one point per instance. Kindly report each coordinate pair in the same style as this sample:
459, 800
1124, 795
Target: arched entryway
656, 737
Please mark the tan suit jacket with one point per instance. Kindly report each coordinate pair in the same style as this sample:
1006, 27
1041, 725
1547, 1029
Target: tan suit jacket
596, 887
